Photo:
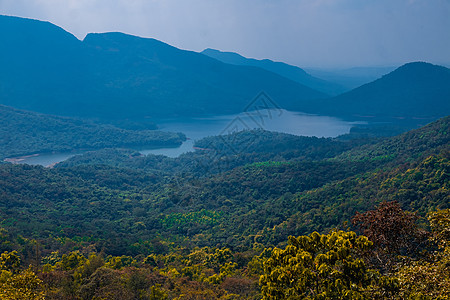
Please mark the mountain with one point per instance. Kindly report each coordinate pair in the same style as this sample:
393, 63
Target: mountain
114, 75
292, 72
350, 78
416, 92
24, 132
42, 66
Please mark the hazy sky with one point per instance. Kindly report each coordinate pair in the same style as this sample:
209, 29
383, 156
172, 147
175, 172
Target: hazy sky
307, 33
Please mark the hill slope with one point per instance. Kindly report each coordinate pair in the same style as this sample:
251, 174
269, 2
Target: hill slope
414, 91
24, 132
267, 199
42, 65
294, 73
115, 75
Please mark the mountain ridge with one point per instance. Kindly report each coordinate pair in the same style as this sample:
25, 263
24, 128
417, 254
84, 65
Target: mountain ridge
413, 92
113, 76
141, 78
289, 71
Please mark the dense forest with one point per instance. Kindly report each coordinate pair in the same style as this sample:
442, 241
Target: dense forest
252, 215
24, 133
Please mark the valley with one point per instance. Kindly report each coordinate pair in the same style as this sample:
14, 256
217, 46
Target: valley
195, 129
133, 169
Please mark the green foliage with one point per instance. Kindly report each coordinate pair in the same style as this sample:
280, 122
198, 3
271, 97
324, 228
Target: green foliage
156, 293
9, 261
119, 262
71, 261
26, 133
407, 147
202, 217
318, 267
142, 210
210, 235
23, 285
222, 153
440, 225
331, 205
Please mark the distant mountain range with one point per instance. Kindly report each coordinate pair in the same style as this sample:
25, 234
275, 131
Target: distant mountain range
350, 78
292, 72
114, 75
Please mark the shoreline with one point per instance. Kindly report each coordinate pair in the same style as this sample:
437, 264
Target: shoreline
18, 159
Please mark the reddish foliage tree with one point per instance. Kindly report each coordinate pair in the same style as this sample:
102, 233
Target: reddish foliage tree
392, 230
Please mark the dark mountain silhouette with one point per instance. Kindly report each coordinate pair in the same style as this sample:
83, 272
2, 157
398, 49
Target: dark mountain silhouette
114, 75
294, 73
41, 65
412, 92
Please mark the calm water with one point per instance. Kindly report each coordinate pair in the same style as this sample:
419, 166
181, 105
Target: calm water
195, 129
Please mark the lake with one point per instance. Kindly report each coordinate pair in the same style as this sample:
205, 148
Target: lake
273, 120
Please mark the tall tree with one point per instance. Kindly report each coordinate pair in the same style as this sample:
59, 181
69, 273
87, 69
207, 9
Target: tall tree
327, 266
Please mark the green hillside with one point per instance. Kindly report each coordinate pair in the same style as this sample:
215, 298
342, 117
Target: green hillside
221, 153
88, 229
259, 195
250, 215
24, 133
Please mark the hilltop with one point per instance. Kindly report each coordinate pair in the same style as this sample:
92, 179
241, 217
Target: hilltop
416, 92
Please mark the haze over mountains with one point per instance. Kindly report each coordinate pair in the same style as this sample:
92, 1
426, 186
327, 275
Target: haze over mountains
114, 76
351, 78
218, 222
292, 72
414, 91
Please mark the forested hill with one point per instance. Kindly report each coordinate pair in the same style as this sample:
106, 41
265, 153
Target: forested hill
114, 75
408, 146
89, 229
260, 195
416, 92
24, 132
249, 215
222, 153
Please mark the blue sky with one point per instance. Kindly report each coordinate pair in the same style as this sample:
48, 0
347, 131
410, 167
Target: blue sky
307, 33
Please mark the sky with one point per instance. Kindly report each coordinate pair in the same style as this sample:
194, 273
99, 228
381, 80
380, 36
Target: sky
306, 33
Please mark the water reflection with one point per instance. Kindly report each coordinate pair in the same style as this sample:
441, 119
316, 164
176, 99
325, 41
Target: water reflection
277, 120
